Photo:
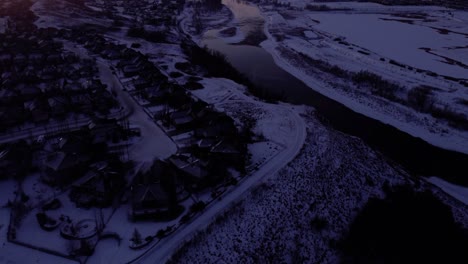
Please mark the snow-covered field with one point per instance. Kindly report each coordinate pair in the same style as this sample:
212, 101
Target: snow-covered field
368, 37
386, 36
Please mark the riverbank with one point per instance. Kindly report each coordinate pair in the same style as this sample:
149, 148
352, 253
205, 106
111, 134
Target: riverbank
354, 112
320, 45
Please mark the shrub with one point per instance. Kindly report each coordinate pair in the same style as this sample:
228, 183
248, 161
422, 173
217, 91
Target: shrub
140, 32
421, 98
377, 85
457, 120
317, 7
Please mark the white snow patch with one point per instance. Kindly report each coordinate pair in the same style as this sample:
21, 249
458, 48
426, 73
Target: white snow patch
458, 192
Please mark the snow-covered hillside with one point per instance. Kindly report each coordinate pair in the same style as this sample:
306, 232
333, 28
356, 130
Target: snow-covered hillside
299, 215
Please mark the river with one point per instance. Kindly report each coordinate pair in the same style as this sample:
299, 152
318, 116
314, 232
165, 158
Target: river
416, 155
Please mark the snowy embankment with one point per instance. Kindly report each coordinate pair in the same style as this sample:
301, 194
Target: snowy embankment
362, 50
458, 192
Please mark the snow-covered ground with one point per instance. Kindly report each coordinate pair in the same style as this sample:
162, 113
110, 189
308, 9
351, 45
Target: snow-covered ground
8, 188
384, 35
14, 254
370, 48
458, 192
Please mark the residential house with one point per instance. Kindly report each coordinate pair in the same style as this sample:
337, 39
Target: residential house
97, 188
39, 110
68, 159
154, 193
193, 172
181, 119
58, 105
103, 130
60, 168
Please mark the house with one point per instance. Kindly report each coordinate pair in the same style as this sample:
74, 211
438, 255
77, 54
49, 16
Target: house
20, 59
103, 130
216, 126
154, 193
178, 98
149, 200
36, 58
54, 58
58, 105
130, 70
39, 110
5, 59
49, 73
60, 168
156, 95
68, 159
97, 188
111, 53
28, 92
204, 144
227, 154
81, 102
7, 95
141, 83
193, 171
181, 119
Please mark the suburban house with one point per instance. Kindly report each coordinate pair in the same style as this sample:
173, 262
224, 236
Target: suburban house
192, 172
60, 168
97, 187
154, 193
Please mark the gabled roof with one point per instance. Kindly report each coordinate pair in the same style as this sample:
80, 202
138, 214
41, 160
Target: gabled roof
224, 147
149, 193
192, 167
